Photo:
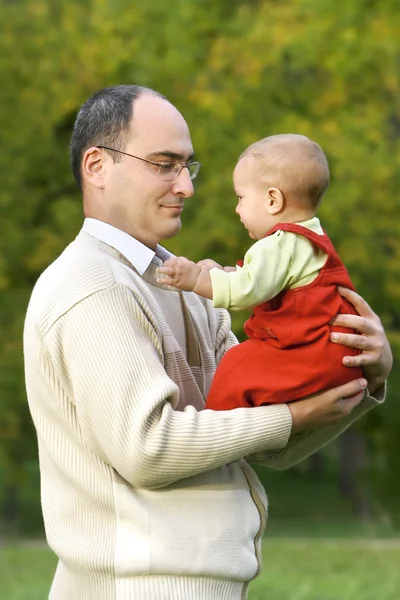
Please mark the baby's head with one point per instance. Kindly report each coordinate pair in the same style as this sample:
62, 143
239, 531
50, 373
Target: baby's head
281, 178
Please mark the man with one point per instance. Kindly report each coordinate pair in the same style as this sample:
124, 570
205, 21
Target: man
144, 494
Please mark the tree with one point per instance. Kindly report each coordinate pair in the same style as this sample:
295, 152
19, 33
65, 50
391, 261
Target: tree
238, 71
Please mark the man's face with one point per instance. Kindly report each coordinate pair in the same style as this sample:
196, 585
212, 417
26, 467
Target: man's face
139, 200
252, 199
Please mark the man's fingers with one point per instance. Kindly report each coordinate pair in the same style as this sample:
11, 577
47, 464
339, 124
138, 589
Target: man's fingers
327, 407
361, 324
361, 360
353, 340
350, 389
362, 307
349, 404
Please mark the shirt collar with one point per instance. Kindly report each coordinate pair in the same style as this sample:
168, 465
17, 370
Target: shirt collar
312, 223
139, 255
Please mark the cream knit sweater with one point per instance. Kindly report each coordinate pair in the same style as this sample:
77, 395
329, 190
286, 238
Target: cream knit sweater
145, 495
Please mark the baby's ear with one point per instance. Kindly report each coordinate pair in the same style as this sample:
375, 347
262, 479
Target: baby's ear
275, 201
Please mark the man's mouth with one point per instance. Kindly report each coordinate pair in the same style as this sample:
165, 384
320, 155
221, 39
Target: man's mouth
174, 206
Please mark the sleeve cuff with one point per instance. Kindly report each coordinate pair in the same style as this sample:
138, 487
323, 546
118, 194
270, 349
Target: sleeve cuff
379, 394
220, 288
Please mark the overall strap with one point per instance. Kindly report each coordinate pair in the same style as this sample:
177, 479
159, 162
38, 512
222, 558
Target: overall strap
321, 241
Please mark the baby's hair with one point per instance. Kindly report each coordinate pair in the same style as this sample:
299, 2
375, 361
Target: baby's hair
294, 164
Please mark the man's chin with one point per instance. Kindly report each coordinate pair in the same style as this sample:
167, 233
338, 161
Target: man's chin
172, 230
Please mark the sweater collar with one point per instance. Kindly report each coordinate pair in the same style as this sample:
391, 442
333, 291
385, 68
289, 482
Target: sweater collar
139, 255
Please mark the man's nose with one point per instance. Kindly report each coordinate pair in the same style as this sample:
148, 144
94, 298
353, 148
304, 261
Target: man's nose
183, 185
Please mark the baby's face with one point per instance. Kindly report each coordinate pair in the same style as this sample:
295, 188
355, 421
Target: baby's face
252, 199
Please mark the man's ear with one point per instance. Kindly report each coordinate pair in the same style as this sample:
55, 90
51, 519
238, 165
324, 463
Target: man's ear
93, 167
275, 201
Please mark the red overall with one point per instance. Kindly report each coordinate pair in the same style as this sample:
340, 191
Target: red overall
289, 354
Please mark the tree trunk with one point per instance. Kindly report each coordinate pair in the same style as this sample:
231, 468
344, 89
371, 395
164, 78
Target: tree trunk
353, 460
10, 508
316, 465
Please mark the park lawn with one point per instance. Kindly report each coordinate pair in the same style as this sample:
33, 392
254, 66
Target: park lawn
316, 569
26, 571
299, 569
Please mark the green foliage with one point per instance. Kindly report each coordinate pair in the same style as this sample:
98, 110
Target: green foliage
238, 71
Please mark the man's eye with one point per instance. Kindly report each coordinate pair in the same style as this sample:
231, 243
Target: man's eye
167, 167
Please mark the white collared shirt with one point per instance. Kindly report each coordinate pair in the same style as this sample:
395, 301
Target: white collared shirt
139, 255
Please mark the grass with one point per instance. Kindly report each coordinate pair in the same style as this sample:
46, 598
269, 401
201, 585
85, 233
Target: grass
314, 548
317, 569
26, 572
299, 569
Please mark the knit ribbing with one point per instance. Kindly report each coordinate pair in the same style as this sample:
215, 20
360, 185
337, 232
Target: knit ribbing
143, 492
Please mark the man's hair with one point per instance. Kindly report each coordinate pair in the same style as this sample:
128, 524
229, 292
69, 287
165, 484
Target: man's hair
294, 164
104, 119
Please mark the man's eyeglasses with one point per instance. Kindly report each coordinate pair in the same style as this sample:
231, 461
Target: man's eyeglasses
167, 170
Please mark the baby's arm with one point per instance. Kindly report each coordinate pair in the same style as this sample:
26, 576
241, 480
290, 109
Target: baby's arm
183, 274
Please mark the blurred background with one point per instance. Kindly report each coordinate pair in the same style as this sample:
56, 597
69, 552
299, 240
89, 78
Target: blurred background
238, 71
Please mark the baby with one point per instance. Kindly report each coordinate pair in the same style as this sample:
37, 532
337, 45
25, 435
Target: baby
289, 277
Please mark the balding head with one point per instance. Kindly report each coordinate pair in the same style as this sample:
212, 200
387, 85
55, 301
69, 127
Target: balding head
294, 164
105, 119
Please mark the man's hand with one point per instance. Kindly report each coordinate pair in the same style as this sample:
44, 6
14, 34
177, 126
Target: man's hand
179, 272
327, 407
376, 356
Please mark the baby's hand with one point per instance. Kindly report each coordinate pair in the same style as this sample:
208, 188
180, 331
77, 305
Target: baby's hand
179, 272
208, 263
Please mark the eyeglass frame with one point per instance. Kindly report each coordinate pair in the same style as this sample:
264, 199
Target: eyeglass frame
162, 163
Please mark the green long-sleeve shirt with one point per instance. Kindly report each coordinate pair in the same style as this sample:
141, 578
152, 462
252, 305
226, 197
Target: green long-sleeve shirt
280, 261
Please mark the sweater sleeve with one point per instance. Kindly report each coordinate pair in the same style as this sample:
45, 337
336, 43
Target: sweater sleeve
225, 339
108, 356
301, 445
